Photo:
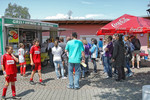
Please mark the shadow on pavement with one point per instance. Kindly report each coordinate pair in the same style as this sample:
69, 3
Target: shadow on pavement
46, 80
47, 69
129, 89
26, 92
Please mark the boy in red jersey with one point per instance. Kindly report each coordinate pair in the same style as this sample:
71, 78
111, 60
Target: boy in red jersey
35, 57
8, 63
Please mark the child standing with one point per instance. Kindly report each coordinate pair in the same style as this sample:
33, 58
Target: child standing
8, 63
35, 57
22, 61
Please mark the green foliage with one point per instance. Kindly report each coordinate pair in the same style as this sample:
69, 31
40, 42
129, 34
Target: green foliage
16, 11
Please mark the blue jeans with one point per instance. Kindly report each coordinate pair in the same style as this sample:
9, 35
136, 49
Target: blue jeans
94, 63
56, 68
51, 60
83, 70
74, 83
128, 66
108, 66
86, 62
104, 64
65, 59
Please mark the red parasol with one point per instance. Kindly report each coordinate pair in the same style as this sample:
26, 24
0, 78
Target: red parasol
126, 24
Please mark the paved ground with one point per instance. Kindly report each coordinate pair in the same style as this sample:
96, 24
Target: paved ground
93, 87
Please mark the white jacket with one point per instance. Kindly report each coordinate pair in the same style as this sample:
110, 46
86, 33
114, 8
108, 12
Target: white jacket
57, 52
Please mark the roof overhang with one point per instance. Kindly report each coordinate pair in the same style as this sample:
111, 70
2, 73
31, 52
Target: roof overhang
29, 24
85, 22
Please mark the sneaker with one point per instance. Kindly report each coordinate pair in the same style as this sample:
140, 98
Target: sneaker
69, 87
64, 77
77, 88
32, 82
58, 78
132, 67
3, 98
130, 74
42, 83
107, 77
83, 76
16, 97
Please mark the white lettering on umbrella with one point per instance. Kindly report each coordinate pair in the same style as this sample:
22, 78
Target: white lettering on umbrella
120, 22
139, 29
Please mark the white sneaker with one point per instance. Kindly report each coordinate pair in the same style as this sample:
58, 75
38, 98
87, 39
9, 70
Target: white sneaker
57, 78
130, 74
64, 77
107, 77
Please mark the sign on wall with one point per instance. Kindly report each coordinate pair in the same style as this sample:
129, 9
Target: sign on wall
27, 22
13, 36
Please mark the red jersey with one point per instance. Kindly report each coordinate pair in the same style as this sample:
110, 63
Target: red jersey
36, 54
9, 64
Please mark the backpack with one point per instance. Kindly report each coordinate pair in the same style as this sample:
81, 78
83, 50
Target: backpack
128, 52
137, 44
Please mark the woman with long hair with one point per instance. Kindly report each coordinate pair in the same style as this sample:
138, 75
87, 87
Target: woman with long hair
57, 52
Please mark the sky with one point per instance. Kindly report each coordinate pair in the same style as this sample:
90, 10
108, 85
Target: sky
81, 9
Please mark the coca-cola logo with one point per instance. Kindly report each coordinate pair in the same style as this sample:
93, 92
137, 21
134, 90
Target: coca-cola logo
139, 29
120, 22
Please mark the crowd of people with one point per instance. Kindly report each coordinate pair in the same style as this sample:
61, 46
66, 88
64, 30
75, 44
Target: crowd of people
72, 59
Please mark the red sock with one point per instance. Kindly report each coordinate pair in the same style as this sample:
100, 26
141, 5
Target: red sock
4, 91
73, 69
24, 70
31, 79
41, 80
21, 70
13, 90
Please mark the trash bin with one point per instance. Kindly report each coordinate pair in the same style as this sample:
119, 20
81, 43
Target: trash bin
146, 92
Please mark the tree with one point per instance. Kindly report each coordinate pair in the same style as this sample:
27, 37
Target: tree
16, 11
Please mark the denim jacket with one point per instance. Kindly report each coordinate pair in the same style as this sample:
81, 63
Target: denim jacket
94, 51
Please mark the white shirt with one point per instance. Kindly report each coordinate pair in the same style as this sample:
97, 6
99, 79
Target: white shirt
57, 52
104, 46
21, 53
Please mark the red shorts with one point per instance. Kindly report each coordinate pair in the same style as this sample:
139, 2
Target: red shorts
24, 63
11, 78
37, 66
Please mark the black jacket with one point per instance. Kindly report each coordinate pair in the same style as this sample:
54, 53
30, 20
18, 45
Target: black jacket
119, 54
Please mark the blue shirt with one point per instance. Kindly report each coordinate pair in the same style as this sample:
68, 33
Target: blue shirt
75, 49
100, 44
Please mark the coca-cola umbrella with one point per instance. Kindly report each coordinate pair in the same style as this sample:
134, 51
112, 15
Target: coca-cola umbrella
126, 24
